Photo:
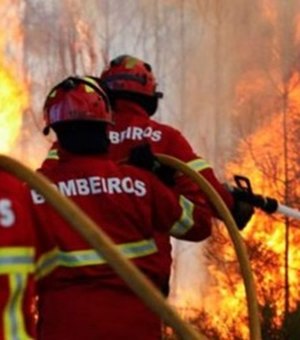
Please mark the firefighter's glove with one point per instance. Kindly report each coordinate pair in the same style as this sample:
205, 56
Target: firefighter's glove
242, 213
141, 156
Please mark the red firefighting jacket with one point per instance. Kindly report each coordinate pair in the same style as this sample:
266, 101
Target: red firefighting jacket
133, 127
17, 247
80, 295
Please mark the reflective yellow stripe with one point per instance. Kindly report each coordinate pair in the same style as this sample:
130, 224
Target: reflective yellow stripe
52, 94
198, 164
16, 260
47, 263
53, 154
92, 81
88, 89
186, 221
14, 325
55, 257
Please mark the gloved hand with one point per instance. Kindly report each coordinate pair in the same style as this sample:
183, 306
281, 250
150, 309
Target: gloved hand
242, 213
143, 157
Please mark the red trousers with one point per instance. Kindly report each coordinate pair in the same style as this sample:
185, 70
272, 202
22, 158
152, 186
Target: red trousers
72, 313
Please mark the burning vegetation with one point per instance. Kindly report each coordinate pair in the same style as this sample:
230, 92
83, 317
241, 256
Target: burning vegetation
267, 117
270, 157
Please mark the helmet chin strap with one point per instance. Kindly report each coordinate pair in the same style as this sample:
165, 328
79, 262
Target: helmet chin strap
151, 106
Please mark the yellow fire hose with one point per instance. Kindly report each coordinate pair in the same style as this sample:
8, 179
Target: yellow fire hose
104, 246
240, 249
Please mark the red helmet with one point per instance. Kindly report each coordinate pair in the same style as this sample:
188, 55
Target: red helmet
129, 74
76, 99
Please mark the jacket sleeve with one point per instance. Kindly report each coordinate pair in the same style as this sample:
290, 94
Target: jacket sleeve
185, 185
178, 216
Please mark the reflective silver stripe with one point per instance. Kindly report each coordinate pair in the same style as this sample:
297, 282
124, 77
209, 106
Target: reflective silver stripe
198, 164
13, 317
53, 154
186, 221
16, 260
56, 257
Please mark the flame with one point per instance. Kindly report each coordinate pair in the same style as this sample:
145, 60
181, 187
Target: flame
13, 89
13, 100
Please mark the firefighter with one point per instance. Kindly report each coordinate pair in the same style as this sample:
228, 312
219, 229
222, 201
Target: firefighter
80, 296
17, 251
132, 90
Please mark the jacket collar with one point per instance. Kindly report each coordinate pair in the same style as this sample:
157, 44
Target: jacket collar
128, 107
65, 156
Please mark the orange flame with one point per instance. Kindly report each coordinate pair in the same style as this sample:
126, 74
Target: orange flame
13, 90
13, 100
